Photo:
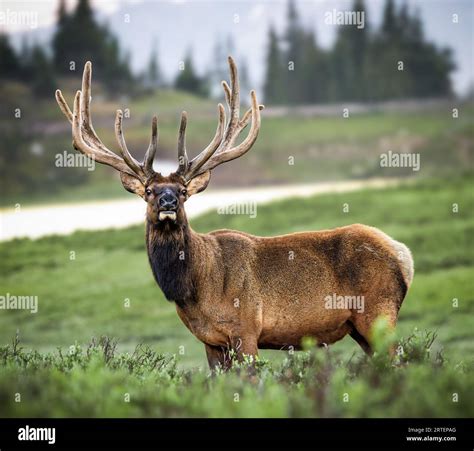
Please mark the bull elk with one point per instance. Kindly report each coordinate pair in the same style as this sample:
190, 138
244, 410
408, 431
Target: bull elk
235, 291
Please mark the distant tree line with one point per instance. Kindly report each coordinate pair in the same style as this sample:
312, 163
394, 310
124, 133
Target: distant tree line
31, 66
391, 62
78, 37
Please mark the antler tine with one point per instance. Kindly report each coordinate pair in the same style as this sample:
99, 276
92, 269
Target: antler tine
246, 117
92, 152
64, 106
86, 141
85, 108
197, 162
182, 155
233, 100
235, 152
151, 151
227, 92
86, 93
243, 123
221, 147
131, 162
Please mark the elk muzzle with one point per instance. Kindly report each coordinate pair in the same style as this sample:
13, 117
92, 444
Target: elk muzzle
167, 205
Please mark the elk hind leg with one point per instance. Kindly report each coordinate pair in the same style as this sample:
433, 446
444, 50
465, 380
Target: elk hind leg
362, 342
363, 327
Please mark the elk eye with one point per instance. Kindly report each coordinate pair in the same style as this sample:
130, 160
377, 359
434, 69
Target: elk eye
184, 192
148, 191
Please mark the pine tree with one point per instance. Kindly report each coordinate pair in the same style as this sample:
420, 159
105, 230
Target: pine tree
315, 71
394, 61
153, 75
386, 80
219, 66
188, 80
390, 26
62, 12
349, 59
25, 58
114, 70
42, 73
294, 37
10, 63
273, 88
403, 63
244, 77
79, 38
427, 66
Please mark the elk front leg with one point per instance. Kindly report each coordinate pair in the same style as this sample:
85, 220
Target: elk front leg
246, 346
217, 356
220, 356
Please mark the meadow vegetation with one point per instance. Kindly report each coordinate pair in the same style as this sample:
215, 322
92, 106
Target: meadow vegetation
95, 381
98, 284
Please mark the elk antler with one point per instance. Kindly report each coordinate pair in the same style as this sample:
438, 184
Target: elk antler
220, 149
86, 141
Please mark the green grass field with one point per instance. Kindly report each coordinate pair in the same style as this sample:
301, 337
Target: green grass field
84, 282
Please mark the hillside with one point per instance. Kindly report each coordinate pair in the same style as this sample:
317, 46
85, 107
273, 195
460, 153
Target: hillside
292, 147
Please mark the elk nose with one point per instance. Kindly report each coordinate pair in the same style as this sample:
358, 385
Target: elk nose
168, 201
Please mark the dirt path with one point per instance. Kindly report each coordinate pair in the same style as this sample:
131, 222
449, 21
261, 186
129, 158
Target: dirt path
35, 222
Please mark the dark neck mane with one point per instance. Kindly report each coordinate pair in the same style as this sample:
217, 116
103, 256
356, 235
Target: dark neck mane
169, 254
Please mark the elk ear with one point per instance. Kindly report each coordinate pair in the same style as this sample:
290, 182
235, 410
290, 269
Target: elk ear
198, 183
132, 184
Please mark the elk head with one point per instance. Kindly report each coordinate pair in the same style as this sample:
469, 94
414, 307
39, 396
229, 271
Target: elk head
165, 195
